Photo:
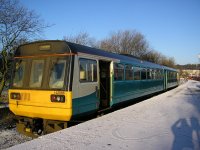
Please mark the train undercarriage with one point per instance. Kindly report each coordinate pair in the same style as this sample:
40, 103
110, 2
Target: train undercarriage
34, 127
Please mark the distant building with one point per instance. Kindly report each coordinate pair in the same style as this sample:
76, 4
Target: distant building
191, 73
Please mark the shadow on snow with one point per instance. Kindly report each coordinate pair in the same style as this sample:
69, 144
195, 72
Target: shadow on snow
187, 131
186, 134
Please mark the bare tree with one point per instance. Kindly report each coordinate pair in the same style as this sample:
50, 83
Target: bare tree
157, 57
152, 56
171, 62
134, 43
16, 23
126, 42
82, 38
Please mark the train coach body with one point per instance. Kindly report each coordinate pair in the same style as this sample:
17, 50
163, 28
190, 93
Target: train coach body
55, 82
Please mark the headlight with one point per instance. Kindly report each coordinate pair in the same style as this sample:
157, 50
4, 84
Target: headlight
58, 98
15, 96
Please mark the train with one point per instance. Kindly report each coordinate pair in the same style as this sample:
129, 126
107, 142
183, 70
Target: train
55, 82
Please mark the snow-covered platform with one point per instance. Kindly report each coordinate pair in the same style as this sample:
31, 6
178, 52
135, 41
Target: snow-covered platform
168, 121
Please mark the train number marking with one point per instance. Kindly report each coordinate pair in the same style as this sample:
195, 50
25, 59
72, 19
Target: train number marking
59, 92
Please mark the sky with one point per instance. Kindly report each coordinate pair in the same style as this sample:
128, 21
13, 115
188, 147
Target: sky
171, 27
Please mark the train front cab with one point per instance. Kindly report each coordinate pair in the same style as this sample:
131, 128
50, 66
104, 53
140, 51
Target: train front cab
41, 95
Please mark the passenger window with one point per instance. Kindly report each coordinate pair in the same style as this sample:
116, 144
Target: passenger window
170, 75
136, 73
149, 74
143, 74
129, 72
118, 72
175, 75
87, 70
36, 73
158, 74
161, 74
154, 74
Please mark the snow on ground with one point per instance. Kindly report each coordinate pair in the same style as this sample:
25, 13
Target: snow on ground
167, 121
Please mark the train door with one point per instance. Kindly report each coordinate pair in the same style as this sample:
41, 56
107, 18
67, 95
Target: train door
104, 84
165, 79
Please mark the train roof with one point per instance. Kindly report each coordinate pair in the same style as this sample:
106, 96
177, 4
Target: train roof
64, 46
123, 58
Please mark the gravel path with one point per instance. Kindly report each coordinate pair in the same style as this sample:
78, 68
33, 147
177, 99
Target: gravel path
10, 137
8, 134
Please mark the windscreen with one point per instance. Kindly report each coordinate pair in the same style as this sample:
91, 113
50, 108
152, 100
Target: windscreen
57, 73
43, 73
37, 69
19, 73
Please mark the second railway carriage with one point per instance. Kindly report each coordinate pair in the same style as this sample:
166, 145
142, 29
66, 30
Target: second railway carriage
55, 82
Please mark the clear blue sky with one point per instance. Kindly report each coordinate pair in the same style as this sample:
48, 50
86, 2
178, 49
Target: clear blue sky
171, 27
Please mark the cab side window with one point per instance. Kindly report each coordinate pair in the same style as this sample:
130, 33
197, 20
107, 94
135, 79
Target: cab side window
87, 70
